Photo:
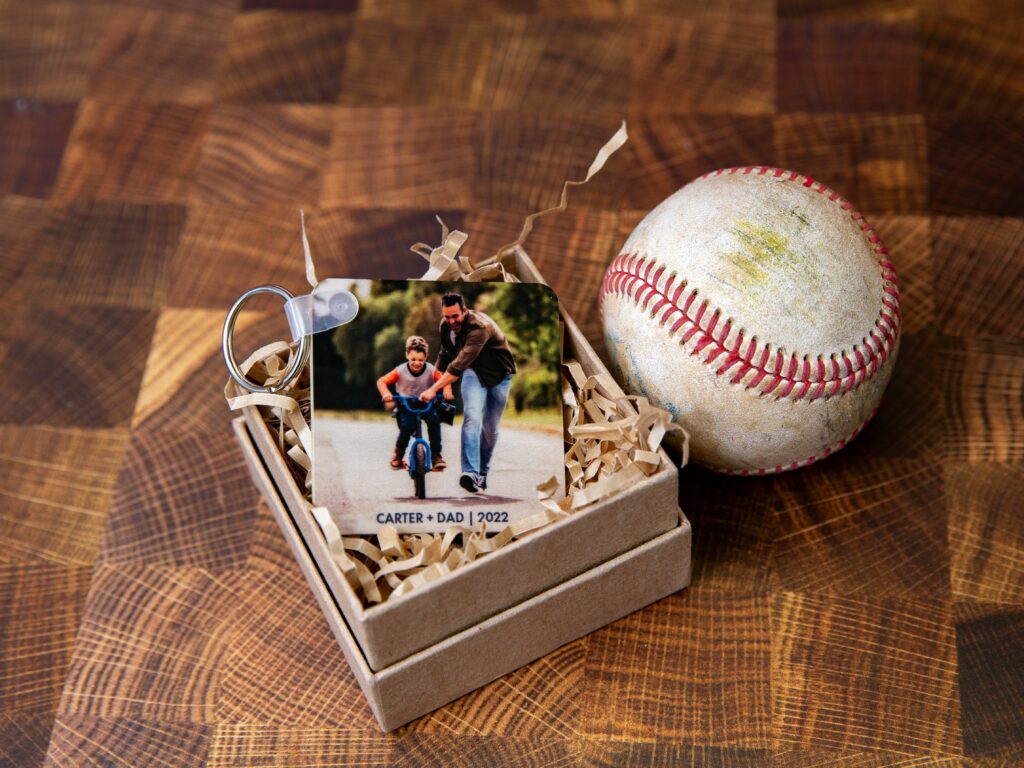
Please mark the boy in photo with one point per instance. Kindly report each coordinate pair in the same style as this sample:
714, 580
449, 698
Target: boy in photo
412, 379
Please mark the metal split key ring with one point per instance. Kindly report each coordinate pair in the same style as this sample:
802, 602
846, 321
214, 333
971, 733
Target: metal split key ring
297, 363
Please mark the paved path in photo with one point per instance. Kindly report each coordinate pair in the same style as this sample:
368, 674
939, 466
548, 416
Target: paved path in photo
361, 450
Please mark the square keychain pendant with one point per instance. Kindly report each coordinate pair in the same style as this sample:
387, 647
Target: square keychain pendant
438, 405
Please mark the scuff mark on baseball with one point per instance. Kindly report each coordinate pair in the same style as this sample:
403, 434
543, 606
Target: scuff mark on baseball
764, 309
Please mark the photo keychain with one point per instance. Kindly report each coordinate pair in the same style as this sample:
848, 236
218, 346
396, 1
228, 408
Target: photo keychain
438, 405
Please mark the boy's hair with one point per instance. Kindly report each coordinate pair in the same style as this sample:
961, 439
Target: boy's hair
416, 344
451, 299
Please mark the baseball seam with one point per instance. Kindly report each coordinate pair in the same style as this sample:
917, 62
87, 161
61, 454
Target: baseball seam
729, 348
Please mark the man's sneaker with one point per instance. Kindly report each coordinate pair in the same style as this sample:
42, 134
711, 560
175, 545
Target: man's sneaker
396, 460
439, 463
468, 482
482, 483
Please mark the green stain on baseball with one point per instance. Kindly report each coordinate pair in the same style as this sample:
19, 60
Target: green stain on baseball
763, 253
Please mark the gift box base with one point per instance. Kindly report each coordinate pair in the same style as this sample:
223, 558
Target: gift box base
463, 662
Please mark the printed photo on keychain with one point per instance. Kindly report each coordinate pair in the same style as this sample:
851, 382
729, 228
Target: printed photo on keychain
438, 405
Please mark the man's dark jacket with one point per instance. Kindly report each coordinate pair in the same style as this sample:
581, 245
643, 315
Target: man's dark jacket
480, 345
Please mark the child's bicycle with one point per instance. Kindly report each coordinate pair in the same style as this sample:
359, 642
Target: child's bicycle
419, 461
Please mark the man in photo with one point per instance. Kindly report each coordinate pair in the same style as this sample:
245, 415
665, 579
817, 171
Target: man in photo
475, 350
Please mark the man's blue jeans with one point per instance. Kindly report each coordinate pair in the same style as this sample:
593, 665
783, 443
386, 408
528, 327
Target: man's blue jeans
481, 413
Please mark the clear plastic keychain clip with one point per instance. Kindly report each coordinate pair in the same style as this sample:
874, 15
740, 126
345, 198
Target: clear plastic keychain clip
328, 306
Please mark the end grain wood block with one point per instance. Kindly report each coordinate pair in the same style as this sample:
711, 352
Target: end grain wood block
986, 539
984, 412
979, 275
41, 605
540, 702
286, 57
40, 608
154, 56
642, 673
721, 66
24, 737
475, 751
401, 157
872, 528
864, 675
822, 758
876, 161
82, 367
47, 49
909, 241
574, 65
667, 151
878, 11
32, 139
57, 485
183, 386
224, 250
974, 164
990, 645
528, 156
449, 68
21, 221
136, 152
101, 252
151, 644
615, 754
255, 154
282, 664
840, 66
238, 745
972, 68
183, 499
87, 740
733, 529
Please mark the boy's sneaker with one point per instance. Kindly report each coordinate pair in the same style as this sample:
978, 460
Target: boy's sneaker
468, 482
439, 463
396, 460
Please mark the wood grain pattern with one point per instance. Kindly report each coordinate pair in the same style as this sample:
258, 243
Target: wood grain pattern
979, 280
286, 57
986, 540
864, 675
870, 528
861, 613
401, 158
86, 363
842, 66
183, 499
990, 642
685, 66
259, 154
144, 153
32, 139
100, 253
985, 415
151, 56
878, 161
641, 672
47, 49
56, 485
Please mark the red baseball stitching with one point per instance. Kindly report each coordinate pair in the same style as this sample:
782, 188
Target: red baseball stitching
797, 464
797, 377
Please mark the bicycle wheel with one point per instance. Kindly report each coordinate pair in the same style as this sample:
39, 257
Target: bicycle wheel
420, 477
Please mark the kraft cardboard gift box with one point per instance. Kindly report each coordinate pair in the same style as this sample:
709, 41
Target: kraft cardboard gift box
418, 651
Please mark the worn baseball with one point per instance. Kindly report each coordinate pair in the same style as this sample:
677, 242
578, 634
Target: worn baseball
760, 309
